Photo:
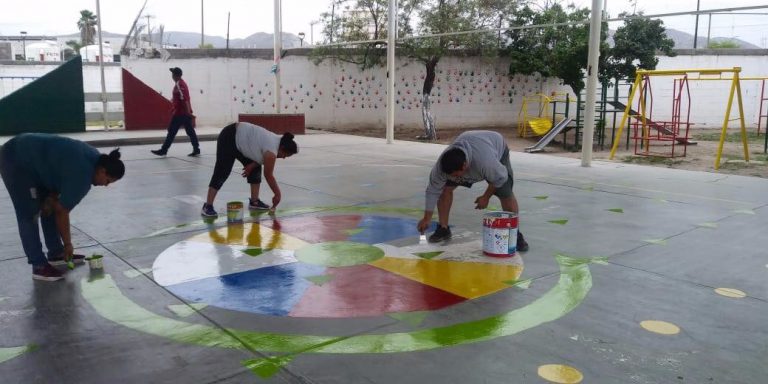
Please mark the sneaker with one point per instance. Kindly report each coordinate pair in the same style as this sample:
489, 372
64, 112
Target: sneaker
522, 245
159, 152
441, 234
58, 261
195, 153
208, 211
46, 272
257, 205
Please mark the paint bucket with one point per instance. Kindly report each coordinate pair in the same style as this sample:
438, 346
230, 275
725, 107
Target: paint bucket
235, 212
95, 261
500, 234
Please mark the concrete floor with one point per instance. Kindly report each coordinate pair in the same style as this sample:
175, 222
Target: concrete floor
639, 244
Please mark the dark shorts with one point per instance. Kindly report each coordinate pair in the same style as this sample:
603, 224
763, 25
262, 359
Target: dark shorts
226, 154
502, 192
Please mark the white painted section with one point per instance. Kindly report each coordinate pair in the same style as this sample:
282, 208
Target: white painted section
188, 261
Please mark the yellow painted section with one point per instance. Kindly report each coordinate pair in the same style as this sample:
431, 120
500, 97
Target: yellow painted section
660, 327
252, 235
466, 279
731, 292
561, 374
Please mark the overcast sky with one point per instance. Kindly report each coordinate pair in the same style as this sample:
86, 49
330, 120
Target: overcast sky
55, 17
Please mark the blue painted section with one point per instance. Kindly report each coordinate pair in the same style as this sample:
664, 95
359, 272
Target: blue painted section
268, 291
381, 229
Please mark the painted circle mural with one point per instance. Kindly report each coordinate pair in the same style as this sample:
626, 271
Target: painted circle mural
330, 266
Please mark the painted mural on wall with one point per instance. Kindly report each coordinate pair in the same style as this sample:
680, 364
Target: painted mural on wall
353, 89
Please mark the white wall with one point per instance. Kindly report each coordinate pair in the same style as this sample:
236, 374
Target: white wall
468, 92
223, 87
709, 98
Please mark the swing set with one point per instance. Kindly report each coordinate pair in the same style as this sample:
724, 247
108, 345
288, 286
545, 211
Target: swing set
675, 132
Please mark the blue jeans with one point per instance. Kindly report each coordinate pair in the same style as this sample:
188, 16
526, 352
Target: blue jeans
26, 197
173, 129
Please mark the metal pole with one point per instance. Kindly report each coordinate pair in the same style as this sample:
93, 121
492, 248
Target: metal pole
149, 32
227, 30
101, 69
277, 47
391, 36
202, 24
696, 27
592, 67
709, 29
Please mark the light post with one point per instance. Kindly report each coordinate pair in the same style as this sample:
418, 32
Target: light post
301, 39
24, 45
312, 32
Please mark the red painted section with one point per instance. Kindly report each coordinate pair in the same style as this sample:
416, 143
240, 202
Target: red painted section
277, 123
144, 107
317, 229
364, 290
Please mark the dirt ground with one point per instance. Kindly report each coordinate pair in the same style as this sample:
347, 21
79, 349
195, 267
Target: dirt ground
699, 157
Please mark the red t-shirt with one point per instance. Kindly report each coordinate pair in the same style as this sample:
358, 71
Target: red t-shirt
180, 98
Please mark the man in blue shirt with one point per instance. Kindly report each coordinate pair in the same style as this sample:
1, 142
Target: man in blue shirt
46, 177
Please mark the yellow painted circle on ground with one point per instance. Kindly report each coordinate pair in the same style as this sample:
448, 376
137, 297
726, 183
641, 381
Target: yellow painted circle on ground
730, 292
661, 327
561, 374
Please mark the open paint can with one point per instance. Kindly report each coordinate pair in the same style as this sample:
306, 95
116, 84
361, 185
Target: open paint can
95, 261
500, 234
235, 212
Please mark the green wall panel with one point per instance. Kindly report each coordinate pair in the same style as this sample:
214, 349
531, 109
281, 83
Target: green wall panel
54, 103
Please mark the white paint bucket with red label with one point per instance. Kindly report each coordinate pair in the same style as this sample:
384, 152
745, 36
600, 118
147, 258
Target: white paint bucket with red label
500, 234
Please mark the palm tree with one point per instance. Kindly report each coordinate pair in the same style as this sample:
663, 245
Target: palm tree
86, 26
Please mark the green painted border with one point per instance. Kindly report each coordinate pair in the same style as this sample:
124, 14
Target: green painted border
571, 289
14, 352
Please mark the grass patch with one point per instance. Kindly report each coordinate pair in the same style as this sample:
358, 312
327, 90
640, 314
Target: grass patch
652, 160
734, 137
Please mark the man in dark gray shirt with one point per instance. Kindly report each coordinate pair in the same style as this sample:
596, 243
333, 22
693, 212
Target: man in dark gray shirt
474, 156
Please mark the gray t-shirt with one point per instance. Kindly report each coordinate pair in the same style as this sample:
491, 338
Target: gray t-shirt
254, 141
483, 150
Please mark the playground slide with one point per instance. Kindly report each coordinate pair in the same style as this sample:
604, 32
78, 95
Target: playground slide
549, 136
651, 123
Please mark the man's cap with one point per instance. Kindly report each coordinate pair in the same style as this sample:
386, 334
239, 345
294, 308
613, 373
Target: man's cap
176, 71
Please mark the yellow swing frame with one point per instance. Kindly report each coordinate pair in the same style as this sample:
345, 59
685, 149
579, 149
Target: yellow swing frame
702, 73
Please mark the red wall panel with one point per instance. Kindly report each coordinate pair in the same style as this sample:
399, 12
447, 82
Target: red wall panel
144, 107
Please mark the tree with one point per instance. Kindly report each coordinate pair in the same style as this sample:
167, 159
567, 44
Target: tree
72, 50
552, 51
723, 44
562, 51
86, 25
636, 44
351, 21
365, 20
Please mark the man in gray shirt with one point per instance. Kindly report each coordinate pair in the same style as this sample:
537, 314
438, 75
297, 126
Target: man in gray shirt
474, 156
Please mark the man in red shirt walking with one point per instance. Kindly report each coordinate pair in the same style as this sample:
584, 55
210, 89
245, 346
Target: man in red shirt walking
182, 115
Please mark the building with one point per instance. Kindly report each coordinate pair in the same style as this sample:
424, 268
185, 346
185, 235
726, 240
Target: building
91, 53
